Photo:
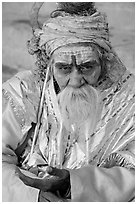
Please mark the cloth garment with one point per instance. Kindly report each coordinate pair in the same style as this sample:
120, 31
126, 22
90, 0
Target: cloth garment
103, 170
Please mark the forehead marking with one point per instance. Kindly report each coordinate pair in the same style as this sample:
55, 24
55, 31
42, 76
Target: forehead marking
79, 53
75, 52
73, 57
84, 54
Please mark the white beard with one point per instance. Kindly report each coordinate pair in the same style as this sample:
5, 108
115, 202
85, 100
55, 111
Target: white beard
78, 105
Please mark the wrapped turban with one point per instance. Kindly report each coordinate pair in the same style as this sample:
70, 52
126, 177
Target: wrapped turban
62, 31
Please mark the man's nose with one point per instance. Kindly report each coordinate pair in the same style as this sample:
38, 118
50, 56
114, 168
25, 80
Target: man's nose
76, 79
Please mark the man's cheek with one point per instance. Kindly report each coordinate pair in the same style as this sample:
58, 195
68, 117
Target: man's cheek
93, 77
62, 80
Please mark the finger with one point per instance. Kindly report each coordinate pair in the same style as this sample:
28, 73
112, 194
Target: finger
34, 170
40, 183
49, 169
54, 171
59, 173
43, 169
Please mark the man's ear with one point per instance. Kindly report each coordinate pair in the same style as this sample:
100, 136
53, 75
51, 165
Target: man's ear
115, 68
103, 68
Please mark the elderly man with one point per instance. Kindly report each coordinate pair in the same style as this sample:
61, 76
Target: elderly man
68, 127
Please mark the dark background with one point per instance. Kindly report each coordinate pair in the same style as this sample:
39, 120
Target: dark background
16, 31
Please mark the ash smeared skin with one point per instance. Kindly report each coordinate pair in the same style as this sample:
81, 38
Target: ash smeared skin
76, 66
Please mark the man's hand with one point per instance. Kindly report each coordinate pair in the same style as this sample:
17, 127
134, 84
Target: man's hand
56, 180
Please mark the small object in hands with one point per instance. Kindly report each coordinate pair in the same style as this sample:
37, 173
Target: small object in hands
43, 171
39, 170
52, 179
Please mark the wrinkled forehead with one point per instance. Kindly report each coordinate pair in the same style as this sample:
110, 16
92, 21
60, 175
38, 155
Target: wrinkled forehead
82, 54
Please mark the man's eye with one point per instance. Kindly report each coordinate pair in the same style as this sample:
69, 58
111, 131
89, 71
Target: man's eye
86, 67
64, 68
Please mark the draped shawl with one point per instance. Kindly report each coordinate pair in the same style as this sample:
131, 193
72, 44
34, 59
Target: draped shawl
112, 133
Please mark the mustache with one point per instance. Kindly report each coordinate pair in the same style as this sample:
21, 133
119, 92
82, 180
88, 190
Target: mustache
83, 93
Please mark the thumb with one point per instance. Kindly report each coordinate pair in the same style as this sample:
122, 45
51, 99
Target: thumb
54, 171
26, 179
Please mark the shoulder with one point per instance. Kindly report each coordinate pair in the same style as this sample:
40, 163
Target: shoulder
22, 82
22, 92
24, 77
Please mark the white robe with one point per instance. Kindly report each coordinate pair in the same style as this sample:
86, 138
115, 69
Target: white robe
113, 134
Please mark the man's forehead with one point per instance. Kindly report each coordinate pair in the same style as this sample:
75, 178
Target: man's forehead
81, 53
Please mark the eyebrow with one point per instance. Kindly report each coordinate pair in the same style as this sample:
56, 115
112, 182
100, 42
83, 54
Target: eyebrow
89, 62
61, 64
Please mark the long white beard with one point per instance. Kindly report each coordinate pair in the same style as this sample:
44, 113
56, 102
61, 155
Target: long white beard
78, 105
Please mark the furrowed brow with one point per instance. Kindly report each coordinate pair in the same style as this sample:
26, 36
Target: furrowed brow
90, 62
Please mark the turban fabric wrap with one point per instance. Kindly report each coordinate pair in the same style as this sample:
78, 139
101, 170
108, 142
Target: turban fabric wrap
67, 30
62, 31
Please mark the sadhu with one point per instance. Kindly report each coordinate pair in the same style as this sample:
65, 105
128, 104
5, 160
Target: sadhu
68, 126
